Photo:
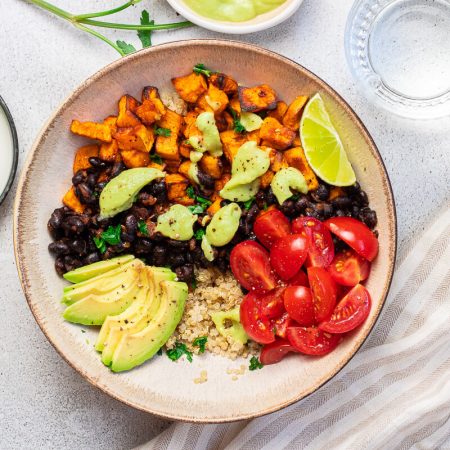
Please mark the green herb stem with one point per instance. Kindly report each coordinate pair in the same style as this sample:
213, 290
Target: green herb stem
54, 9
100, 36
106, 13
125, 26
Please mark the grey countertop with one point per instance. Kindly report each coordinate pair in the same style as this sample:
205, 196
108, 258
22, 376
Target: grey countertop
46, 404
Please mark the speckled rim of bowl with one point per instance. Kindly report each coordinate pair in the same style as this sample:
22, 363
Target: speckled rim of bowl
15, 150
263, 22
22, 271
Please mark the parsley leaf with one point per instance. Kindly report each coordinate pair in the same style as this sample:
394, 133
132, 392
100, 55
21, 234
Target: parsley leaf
162, 131
201, 69
196, 209
200, 342
190, 192
255, 363
156, 159
112, 235
126, 48
100, 244
248, 204
145, 35
142, 227
178, 351
199, 234
238, 127
204, 202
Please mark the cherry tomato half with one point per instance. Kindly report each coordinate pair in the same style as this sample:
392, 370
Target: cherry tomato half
324, 291
320, 242
250, 264
299, 279
276, 351
281, 325
356, 234
258, 327
348, 268
288, 254
350, 312
272, 303
312, 341
298, 302
271, 226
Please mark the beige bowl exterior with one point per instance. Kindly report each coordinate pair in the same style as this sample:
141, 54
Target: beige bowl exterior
161, 386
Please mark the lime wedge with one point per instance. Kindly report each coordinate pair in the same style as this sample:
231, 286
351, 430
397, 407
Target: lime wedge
323, 146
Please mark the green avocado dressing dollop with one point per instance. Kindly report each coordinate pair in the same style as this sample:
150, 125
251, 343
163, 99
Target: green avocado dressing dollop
233, 10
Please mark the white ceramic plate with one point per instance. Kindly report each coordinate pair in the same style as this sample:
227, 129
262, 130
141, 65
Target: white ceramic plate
161, 386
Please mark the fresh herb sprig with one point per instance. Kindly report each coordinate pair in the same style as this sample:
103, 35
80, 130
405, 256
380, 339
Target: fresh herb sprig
255, 363
178, 351
80, 21
204, 202
200, 342
203, 70
248, 204
156, 159
196, 209
199, 234
162, 131
238, 127
110, 236
142, 227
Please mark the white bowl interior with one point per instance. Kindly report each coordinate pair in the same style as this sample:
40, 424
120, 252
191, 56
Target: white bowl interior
161, 386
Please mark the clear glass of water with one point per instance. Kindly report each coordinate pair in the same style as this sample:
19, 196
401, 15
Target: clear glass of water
399, 52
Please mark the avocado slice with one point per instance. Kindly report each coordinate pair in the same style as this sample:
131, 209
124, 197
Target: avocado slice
98, 268
134, 349
94, 308
105, 283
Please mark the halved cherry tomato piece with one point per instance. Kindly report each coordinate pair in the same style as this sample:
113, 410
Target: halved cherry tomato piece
324, 291
298, 302
257, 326
348, 268
281, 325
288, 254
299, 279
276, 351
320, 242
272, 303
271, 226
356, 234
250, 264
350, 312
312, 341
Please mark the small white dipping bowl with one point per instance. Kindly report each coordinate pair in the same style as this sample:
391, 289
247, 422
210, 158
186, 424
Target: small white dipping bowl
261, 22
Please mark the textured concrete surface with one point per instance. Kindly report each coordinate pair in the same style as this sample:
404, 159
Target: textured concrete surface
44, 403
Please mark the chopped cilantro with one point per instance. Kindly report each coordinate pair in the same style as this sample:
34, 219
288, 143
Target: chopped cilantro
112, 235
200, 342
201, 69
255, 363
199, 234
190, 192
159, 352
238, 127
126, 48
145, 35
178, 351
194, 284
162, 131
100, 244
295, 197
196, 209
142, 227
156, 159
204, 202
248, 204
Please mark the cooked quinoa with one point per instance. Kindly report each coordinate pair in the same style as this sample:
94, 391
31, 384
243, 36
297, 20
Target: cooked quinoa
215, 291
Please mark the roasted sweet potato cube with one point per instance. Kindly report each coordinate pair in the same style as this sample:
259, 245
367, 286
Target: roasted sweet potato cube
135, 158
297, 142
109, 151
127, 112
149, 92
336, 191
92, 130
219, 184
231, 142
154, 165
275, 134
177, 185
146, 135
277, 159
150, 111
211, 165
291, 118
184, 168
257, 98
295, 157
135, 138
213, 100
70, 199
167, 146
266, 179
279, 111
111, 121
235, 104
190, 87
214, 206
224, 82
223, 122
82, 155
185, 149
172, 166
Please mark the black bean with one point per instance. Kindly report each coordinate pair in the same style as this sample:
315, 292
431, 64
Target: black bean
158, 190
74, 224
302, 203
270, 197
79, 246
260, 199
252, 213
59, 248
140, 213
56, 218
354, 189
91, 180
224, 203
128, 237
181, 245
321, 193
361, 199
71, 263
185, 272
288, 208
177, 260
341, 202
205, 179
131, 224
324, 209
159, 256
143, 246
91, 258
79, 177
369, 217
85, 194
117, 168
100, 186
146, 199
97, 163
339, 213
59, 265
192, 244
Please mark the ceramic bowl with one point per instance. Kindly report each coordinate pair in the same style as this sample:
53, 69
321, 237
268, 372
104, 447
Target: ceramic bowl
262, 22
161, 386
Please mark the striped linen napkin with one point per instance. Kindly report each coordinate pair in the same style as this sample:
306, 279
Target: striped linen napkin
395, 392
